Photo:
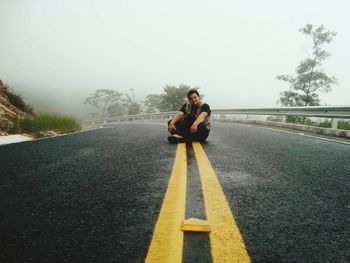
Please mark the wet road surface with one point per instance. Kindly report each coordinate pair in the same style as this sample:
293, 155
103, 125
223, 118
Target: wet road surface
96, 196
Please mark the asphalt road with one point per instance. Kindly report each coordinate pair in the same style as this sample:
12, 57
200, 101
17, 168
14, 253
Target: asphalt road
95, 196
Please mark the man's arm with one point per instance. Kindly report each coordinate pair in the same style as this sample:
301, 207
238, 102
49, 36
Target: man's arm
200, 118
178, 115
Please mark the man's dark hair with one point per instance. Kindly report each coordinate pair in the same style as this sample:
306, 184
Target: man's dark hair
190, 92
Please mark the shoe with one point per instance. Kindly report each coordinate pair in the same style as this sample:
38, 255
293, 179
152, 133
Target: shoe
176, 138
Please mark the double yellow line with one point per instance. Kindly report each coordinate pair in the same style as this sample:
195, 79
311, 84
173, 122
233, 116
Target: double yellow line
225, 239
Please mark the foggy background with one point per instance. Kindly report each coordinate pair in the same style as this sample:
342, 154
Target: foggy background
56, 53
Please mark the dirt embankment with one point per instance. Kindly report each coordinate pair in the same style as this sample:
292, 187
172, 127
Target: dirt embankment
8, 112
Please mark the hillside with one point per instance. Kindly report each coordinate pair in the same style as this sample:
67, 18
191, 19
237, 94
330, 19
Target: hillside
8, 111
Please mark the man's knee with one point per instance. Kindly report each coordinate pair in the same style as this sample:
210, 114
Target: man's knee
202, 133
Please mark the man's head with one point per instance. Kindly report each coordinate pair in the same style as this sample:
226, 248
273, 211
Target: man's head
193, 97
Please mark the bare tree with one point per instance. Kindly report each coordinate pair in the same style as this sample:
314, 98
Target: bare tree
103, 97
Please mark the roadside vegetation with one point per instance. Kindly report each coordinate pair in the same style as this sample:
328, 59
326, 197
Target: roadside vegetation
45, 124
342, 125
36, 124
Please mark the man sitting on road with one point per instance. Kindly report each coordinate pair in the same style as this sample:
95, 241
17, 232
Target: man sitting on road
192, 122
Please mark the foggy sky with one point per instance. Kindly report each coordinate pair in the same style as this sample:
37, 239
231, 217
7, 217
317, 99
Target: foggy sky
57, 52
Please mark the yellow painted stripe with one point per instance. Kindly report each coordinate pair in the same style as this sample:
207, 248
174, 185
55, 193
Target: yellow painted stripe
167, 240
226, 241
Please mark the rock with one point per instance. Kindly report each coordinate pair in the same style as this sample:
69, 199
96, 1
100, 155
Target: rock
44, 134
8, 112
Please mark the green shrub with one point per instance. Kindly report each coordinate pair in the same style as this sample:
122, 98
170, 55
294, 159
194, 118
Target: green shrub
296, 119
310, 122
61, 124
45, 122
344, 125
306, 121
326, 124
16, 126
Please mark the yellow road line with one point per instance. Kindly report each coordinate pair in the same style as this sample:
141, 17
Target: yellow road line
167, 240
226, 241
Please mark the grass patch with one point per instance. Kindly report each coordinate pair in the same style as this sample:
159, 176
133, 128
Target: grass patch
344, 125
42, 122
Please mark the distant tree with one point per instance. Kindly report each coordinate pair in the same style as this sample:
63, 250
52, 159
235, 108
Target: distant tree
114, 103
116, 109
310, 78
131, 105
172, 97
152, 103
104, 97
93, 114
126, 106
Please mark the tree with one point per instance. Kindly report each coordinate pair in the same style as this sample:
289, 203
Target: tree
152, 103
310, 78
114, 102
103, 97
172, 97
116, 109
131, 105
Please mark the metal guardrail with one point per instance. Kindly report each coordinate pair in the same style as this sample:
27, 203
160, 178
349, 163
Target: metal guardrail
317, 111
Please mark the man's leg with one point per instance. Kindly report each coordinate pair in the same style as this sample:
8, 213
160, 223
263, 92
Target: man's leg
181, 128
201, 134
180, 134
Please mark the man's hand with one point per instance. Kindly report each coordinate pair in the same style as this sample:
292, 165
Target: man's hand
193, 128
171, 127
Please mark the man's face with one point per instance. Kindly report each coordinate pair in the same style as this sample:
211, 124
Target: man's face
194, 99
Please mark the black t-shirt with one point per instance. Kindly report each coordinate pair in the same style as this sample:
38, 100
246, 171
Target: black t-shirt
191, 117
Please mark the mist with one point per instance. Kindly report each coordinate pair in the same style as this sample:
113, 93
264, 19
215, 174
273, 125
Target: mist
56, 53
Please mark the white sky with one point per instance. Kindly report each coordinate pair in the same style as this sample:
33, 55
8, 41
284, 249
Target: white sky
232, 49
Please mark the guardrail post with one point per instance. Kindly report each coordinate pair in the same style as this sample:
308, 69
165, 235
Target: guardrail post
284, 119
334, 123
